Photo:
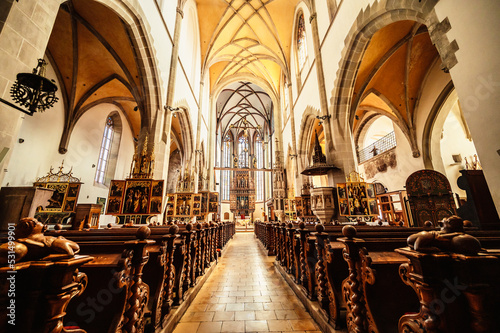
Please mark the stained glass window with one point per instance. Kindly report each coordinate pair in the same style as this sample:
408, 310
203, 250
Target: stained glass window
243, 150
301, 42
259, 175
102, 163
226, 163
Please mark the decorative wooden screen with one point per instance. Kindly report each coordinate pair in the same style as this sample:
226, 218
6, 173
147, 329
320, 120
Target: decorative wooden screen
430, 197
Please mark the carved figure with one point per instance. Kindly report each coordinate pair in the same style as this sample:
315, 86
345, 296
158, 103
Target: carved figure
451, 238
32, 244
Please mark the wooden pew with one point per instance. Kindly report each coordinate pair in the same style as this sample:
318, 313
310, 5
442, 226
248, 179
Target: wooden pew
374, 295
176, 261
457, 292
116, 298
41, 291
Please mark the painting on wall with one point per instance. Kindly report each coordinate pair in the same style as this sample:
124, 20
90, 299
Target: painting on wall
183, 205
102, 202
157, 188
170, 208
114, 206
155, 206
116, 190
57, 199
357, 199
136, 199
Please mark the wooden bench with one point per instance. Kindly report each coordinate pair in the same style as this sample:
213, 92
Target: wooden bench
176, 258
35, 294
457, 292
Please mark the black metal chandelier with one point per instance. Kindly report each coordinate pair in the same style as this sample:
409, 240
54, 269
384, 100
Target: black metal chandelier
33, 91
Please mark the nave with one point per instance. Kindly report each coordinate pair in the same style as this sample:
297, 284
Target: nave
246, 294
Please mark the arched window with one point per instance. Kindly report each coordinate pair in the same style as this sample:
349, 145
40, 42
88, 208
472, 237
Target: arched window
104, 154
259, 175
226, 163
243, 150
301, 42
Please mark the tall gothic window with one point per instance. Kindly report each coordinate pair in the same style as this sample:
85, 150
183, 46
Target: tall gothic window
301, 42
259, 175
226, 163
243, 150
107, 140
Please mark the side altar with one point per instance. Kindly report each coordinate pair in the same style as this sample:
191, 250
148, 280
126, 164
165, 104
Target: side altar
140, 197
185, 203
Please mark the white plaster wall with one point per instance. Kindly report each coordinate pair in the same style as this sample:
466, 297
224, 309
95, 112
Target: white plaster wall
395, 179
161, 30
83, 153
323, 15
433, 85
454, 142
189, 46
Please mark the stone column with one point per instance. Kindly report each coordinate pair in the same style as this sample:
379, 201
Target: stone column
212, 146
294, 138
321, 81
171, 82
198, 140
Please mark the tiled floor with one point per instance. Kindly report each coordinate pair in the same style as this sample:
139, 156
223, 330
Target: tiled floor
245, 294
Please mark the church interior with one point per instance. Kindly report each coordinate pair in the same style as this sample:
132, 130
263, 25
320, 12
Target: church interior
249, 166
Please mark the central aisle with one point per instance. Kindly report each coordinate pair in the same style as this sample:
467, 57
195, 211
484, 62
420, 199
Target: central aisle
246, 294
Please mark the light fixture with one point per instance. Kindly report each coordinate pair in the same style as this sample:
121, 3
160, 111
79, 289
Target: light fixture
323, 117
173, 110
33, 90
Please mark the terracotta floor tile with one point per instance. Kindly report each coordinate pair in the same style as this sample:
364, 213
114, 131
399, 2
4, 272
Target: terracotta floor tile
256, 326
303, 324
244, 315
272, 306
279, 325
244, 299
199, 316
245, 294
210, 327
235, 307
265, 315
215, 307
254, 306
187, 327
233, 326
224, 316
286, 314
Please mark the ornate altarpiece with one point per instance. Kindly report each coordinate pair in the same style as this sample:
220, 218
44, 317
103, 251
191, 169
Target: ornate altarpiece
430, 197
242, 193
63, 201
140, 196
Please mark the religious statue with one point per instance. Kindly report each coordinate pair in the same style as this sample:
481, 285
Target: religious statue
451, 238
235, 162
31, 244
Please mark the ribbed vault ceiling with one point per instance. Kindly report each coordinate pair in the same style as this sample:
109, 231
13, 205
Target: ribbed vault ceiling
246, 37
91, 51
244, 105
392, 72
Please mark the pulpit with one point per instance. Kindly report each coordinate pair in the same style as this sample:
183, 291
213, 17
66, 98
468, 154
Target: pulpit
19, 202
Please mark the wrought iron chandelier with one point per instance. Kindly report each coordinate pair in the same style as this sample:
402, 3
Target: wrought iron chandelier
34, 91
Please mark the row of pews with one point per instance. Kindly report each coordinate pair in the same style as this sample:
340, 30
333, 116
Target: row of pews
367, 279
129, 279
